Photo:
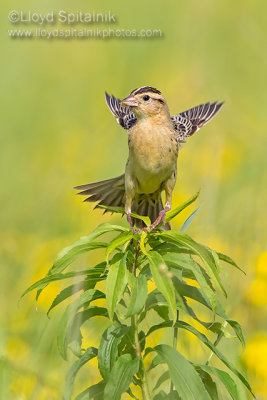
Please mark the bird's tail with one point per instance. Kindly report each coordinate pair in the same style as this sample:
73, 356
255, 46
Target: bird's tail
111, 192
148, 205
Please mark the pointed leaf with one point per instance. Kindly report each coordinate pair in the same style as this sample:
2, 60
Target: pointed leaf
171, 214
70, 314
120, 210
42, 283
163, 378
121, 377
188, 264
208, 382
70, 253
84, 244
93, 276
95, 392
90, 353
117, 242
162, 280
183, 375
108, 348
205, 340
116, 282
138, 295
224, 377
189, 220
199, 250
229, 260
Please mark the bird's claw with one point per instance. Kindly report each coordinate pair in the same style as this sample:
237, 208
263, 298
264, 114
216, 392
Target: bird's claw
142, 230
161, 217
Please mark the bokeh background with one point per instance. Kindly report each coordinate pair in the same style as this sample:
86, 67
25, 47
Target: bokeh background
56, 132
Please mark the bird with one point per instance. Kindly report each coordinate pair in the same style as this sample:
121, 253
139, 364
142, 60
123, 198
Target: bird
154, 140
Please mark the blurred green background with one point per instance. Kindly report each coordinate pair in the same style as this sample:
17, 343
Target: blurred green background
56, 132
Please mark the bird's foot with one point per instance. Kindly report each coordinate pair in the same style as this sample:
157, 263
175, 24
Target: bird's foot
161, 217
143, 230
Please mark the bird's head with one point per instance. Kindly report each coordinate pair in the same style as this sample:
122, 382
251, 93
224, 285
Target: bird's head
146, 102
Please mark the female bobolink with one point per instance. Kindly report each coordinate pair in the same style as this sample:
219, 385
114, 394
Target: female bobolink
154, 139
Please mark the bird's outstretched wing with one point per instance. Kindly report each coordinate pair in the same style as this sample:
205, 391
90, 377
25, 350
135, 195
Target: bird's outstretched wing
124, 116
190, 121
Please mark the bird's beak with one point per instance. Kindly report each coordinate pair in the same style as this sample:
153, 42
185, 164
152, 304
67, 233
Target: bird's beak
129, 101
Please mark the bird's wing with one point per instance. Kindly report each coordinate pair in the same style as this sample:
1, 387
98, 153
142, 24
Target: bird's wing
190, 121
124, 116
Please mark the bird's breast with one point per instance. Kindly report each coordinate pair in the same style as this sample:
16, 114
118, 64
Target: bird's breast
153, 155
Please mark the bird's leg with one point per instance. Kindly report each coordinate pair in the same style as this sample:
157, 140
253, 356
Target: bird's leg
128, 209
129, 219
168, 205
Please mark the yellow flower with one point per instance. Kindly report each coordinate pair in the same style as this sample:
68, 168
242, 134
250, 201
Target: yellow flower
257, 291
254, 359
261, 265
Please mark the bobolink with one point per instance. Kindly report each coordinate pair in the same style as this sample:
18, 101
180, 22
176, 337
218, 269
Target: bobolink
154, 139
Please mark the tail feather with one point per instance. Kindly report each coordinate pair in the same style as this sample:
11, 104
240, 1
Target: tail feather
148, 205
111, 192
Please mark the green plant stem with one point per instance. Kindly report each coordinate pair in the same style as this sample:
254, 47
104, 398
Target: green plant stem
136, 338
145, 389
175, 339
217, 341
175, 333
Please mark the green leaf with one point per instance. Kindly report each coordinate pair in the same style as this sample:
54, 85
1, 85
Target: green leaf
117, 242
92, 311
156, 301
163, 378
224, 377
208, 382
90, 353
108, 348
168, 247
205, 340
74, 337
66, 293
199, 250
238, 330
173, 395
95, 392
189, 220
120, 210
187, 263
84, 244
116, 282
196, 294
183, 375
42, 283
162, 280
171, 214
138, 294
70, 253
93, 276
229, 260
121, 376
69, 316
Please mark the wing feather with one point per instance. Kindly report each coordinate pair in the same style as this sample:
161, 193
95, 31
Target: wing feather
124, 116
190, 121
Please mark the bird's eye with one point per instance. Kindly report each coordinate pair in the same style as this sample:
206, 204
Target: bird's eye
146, 97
